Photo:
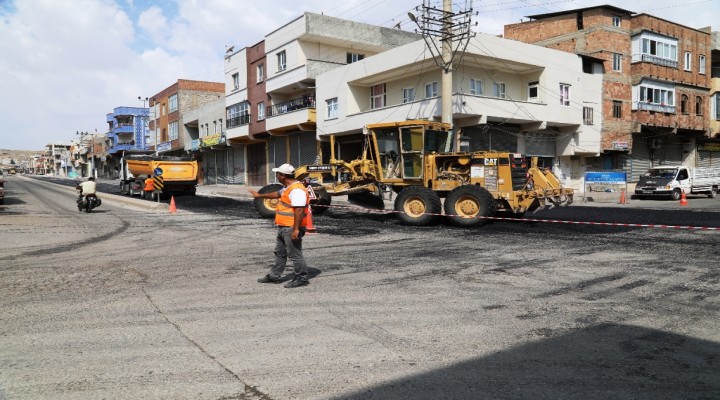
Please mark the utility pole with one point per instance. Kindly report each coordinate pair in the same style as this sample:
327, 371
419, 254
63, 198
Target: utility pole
453, 30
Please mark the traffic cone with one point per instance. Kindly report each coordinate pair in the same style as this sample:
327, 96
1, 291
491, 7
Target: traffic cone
172, 205
683, 199
310, 228
622, 197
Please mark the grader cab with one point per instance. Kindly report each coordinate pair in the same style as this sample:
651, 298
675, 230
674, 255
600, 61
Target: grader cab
417, 161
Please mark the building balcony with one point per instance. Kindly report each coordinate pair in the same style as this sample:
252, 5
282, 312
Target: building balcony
238, 121
641, 105
123, 128
299, 77
648, 58
293, 115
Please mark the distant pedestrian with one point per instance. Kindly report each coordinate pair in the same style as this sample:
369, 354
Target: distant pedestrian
149, 187
290, 219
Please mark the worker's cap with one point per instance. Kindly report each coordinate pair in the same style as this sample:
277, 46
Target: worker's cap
285, 169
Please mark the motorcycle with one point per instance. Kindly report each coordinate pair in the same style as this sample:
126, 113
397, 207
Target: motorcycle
87, 202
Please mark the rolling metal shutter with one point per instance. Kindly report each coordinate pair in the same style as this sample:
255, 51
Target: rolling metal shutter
237, 175
640, 159
540, 144
303, 149
708, 159
488, 137
221, 166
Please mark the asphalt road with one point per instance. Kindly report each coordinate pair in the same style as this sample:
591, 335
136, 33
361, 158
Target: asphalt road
127, 303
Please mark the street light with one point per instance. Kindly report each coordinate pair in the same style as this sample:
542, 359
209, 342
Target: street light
143, 100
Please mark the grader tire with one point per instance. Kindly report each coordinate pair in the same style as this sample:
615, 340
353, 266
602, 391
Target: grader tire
324, 200
266, 207
467, 205
418, 206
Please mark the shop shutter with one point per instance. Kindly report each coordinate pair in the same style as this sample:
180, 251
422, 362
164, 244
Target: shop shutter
672, 152
237, 174
308, 148
640, 159
488, 137
540, 144
221, 161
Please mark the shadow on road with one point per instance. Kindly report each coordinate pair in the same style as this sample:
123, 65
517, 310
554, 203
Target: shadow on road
601, 362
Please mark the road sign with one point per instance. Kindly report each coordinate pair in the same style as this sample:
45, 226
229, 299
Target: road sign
158, 183
311, 193
158, 171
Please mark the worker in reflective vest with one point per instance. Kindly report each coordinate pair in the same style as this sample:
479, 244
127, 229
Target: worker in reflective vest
290, 217
149, 187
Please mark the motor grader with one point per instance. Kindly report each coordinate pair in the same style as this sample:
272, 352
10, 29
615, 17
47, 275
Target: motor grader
415, 160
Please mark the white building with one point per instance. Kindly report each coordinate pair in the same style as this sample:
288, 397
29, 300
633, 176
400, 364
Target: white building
507, 96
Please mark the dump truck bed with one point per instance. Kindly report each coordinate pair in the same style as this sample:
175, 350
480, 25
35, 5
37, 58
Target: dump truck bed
174, 169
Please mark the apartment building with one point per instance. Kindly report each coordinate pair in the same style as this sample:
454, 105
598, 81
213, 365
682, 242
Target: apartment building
506, 96
656, 82
168, 109
715, 99
210, 149
270, 87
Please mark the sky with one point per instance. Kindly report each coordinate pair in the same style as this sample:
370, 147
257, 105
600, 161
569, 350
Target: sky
64, 65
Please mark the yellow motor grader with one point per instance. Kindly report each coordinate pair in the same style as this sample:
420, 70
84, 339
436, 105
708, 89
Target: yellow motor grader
414, 159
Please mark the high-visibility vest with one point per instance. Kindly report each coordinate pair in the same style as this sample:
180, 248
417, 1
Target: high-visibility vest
284, 213
149, 184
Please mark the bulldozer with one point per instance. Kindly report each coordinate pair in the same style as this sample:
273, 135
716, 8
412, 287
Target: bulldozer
416, 161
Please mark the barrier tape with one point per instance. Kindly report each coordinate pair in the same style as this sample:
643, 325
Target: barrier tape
553, 221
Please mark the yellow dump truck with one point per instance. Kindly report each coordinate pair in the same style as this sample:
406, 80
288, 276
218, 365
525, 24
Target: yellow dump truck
179, 174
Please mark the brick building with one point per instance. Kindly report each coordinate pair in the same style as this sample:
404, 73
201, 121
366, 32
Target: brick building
656, 82
173, 135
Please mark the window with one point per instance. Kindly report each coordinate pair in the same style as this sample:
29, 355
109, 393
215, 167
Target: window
684, 104
616, 20
281, 61
688, 61
332, 108
698, 105
261, 111
476, 87
173, 100
533, 91
716, 106
499, 89
659, 49
663, 97
701, 64
377, 96
587, 115
354, 57
564, 94
617, 109
431, 90
617, 62
408, 95
261, 72
236, 81
173, 128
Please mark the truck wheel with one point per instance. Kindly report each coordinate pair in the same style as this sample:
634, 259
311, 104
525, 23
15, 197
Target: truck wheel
466, 205
324, 199
676, 194
418, 206
266, 207
713, 193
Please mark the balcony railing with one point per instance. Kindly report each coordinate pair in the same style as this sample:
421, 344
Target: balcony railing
292, 105
238, 121
655, 107
659, 61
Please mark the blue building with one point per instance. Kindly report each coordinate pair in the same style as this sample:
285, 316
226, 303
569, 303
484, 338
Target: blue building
128, 129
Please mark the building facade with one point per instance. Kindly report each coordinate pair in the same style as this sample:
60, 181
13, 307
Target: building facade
656, 82
270, 97
506, 96
170, 105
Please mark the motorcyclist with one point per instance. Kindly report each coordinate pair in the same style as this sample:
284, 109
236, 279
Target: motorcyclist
87, 188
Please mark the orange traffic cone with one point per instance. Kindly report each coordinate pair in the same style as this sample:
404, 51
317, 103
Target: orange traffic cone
172, 205
622, 197
310, 228
683, 199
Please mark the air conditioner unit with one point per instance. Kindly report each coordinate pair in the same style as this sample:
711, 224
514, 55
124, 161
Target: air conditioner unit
655, 143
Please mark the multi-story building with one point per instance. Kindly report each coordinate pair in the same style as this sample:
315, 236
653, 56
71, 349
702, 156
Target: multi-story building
207, 122
270, 97
712, 148
655, 87
59, 159
168, 109
506, 96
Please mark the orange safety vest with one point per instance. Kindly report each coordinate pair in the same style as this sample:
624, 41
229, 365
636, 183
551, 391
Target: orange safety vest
149, 184
284, 213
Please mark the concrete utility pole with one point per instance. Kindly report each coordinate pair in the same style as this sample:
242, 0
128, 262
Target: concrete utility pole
453, 30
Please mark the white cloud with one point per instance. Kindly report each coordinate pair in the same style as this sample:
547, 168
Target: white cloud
66, 64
